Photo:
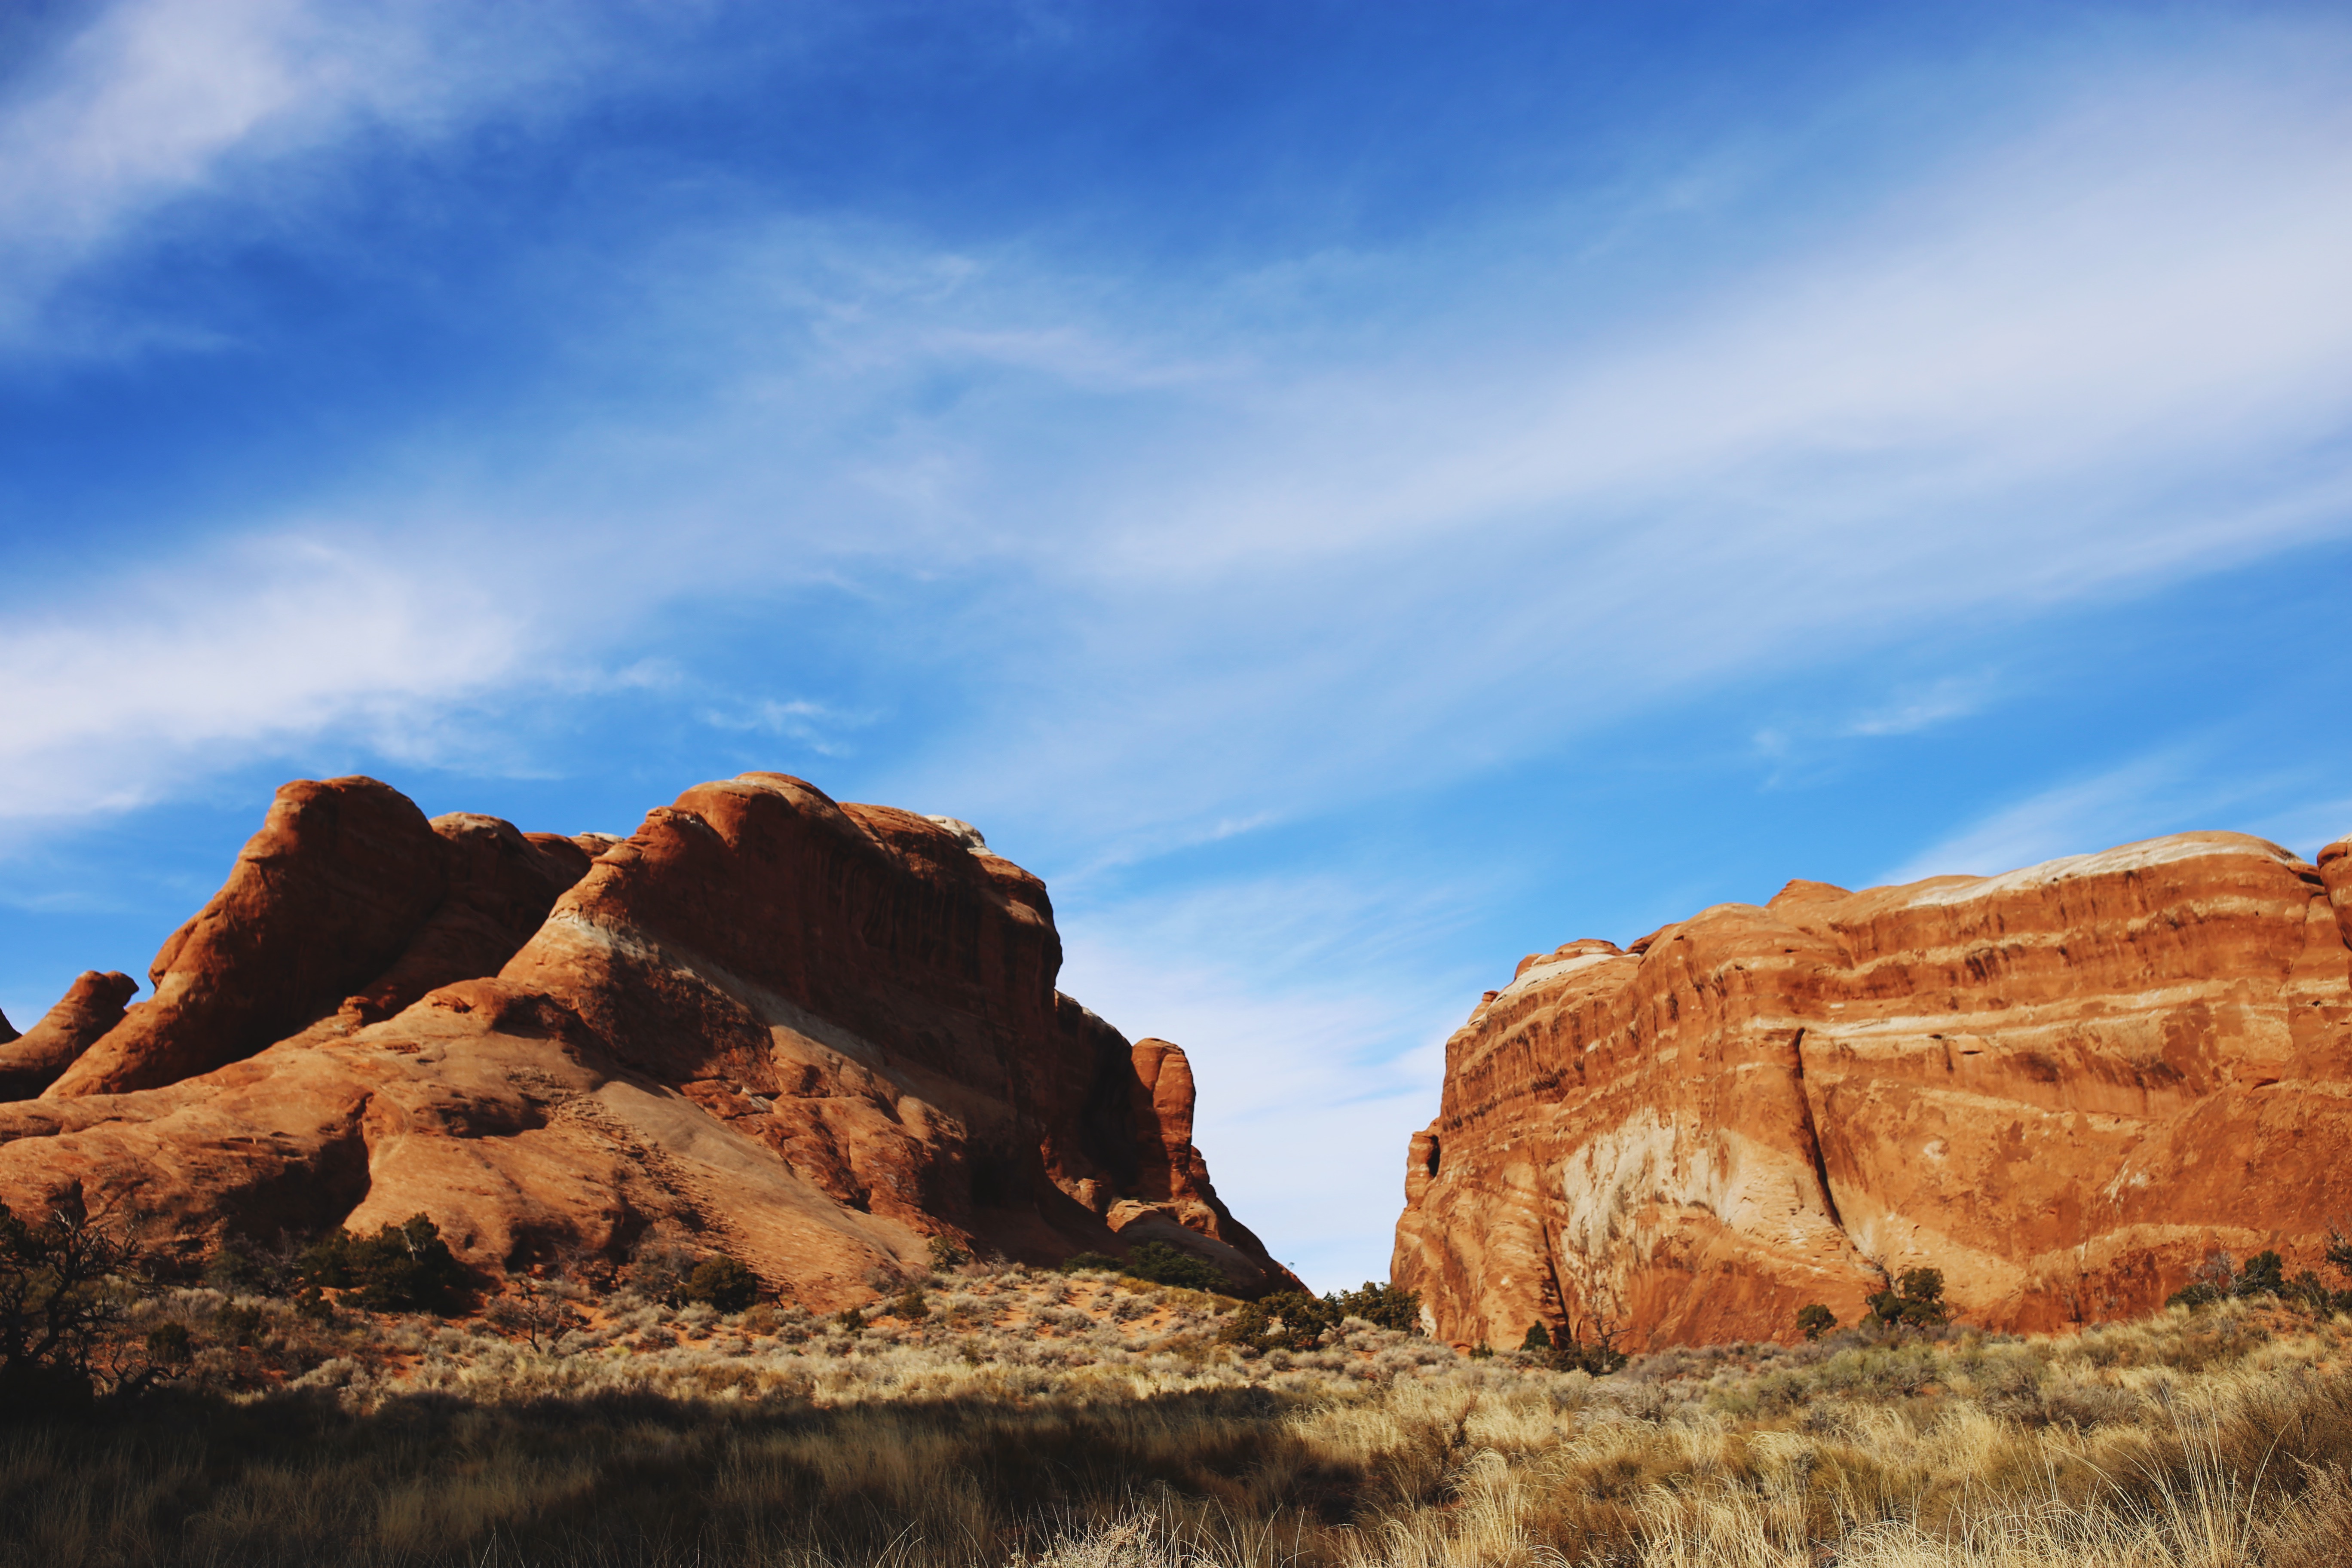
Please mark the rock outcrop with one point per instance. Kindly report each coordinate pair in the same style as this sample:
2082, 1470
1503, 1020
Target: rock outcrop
2063, 1086
92, 1005
348, 900
813, 1035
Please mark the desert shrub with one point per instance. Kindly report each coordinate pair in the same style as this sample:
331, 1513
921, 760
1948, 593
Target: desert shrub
402, 1267
237, 1323
1385, 1306
1090, 1262
947, 1253
1539, 1340
658, 1269
1915, 1302
1598, 1357
65, 1284
722, 1282
2263, 1275
537, 1312
168, 1345
1286, 1320
2215, 1279
1163, 1265
233, 1272
1293, 1321
2308, 1291
1813, 1319
911, 1308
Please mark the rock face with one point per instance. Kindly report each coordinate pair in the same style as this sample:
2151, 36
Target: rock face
813, 1035
29, 1063
348, 900
2063, 1086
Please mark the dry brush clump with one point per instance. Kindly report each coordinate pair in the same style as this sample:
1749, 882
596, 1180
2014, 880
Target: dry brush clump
992, 1414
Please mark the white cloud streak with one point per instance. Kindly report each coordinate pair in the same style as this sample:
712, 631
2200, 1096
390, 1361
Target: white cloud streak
2173, 790
117, 700
155, 103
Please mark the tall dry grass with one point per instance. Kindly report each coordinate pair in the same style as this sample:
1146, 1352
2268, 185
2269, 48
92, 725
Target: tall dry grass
1038, 1420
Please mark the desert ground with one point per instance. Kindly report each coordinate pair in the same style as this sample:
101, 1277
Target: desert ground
991, 1414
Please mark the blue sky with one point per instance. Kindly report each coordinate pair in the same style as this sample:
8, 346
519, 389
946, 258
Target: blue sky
1350, 493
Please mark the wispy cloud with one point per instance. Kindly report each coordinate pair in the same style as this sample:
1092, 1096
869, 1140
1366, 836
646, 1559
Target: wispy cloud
814, 724
152, 103
1911, 710
112, 701
2169, 791
1938, 702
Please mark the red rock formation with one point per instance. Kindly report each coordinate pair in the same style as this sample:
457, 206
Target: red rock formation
2062, 1087
815, 1035
29, 1063
347, 888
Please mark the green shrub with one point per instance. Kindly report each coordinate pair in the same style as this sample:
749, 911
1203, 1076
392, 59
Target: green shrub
238, 1325
168, 1345
1288, 1319
1915, 1302
1162, 1263
2215, 1279
1599, 1357
947, 1253
1089, 1262
2263, 1275
2310, 1292
1815, 1320
402, 1267
911, 1308
725, 1283
1539, 1338
232, 1272
1382, 1305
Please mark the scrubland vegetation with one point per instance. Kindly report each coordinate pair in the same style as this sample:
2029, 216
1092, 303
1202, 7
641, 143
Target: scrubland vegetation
992, 1414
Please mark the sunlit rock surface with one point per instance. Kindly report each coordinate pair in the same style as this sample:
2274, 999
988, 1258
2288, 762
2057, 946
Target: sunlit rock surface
2062, 1087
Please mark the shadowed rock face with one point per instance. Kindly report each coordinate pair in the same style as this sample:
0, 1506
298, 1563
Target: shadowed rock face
815, 1035
2062, 1087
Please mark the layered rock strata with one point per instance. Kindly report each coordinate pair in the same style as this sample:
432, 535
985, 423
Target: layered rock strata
815, 1035
2064, 1086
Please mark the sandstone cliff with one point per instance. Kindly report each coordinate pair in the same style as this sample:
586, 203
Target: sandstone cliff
2062, 1087
815, 1035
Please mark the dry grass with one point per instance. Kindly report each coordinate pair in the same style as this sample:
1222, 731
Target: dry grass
1030, 1419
